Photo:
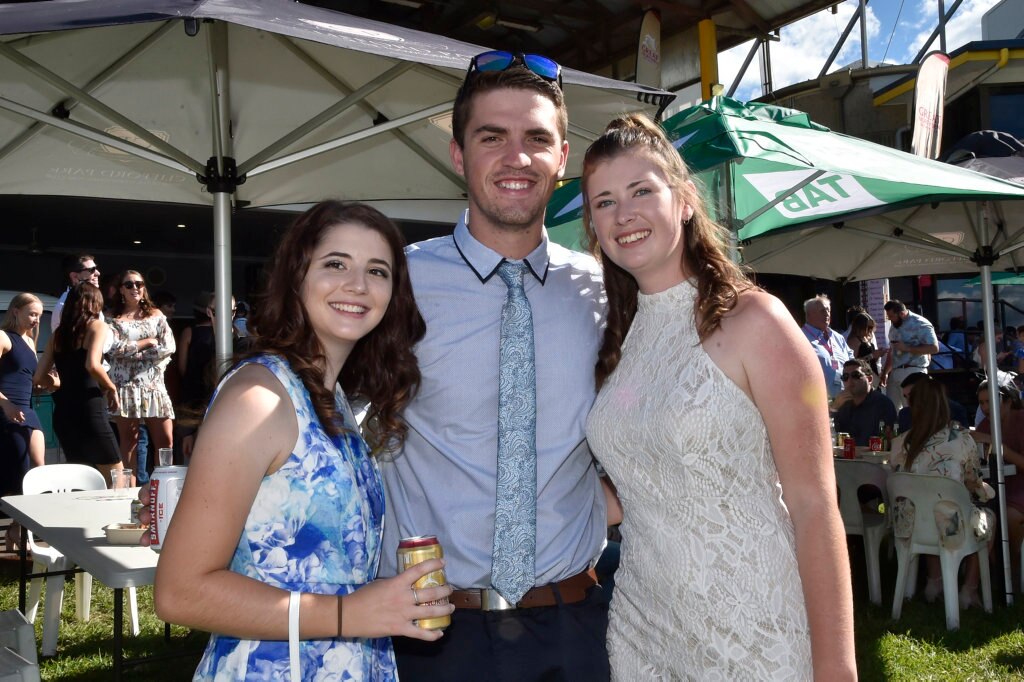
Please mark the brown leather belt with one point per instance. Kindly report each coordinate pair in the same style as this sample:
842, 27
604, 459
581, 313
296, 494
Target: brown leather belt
570, 590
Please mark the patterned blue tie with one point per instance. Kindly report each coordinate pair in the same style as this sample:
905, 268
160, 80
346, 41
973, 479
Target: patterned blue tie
515, 511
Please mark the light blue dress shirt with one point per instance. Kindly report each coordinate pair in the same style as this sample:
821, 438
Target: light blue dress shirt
831, 355
443, 481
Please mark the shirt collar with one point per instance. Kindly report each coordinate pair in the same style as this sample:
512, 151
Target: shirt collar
818, 334
485, 261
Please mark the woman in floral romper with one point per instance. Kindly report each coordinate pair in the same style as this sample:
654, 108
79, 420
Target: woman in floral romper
143, 344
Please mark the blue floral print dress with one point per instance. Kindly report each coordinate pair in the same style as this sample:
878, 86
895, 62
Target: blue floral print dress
315, 526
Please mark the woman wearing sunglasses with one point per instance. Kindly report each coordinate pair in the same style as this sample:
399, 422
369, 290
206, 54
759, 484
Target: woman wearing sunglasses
143, 344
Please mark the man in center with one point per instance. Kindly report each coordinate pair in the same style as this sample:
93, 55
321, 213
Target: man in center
495, 463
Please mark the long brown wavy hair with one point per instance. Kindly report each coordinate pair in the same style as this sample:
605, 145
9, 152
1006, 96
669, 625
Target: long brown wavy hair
931, 414
719, 281
83, 304
381, 367
145, 304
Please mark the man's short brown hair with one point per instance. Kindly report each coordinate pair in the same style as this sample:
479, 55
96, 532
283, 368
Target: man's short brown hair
514, 78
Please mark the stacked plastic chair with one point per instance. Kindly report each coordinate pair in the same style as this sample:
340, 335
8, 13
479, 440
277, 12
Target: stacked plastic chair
18, 660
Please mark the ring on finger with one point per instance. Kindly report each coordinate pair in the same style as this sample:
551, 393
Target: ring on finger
415, 595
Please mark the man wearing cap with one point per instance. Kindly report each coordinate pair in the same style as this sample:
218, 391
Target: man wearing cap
912, 342
495, 463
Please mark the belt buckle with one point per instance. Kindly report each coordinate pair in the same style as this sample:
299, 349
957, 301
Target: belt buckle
491, 600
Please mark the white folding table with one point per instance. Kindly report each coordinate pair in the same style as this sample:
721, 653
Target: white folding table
73, 523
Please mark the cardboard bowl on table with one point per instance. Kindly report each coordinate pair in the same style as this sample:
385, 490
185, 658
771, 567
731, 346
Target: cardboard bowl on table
124, 533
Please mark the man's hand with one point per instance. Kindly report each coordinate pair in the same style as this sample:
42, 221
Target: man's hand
841, 399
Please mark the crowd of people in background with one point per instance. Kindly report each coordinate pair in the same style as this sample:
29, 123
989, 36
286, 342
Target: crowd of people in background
118, 369
889, 391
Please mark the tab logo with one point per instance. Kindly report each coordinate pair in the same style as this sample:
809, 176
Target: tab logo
829, 194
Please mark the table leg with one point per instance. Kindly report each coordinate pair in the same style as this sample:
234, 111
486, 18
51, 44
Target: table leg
23, 554
118, 632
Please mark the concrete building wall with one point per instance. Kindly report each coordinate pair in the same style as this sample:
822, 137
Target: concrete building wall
1005, 21
843, 102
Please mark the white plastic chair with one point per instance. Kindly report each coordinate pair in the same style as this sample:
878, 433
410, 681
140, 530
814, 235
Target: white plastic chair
851, 475
925, 491
62, 478
14, 668
17, 634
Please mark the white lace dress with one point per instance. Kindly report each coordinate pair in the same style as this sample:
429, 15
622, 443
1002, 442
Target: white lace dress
708, 587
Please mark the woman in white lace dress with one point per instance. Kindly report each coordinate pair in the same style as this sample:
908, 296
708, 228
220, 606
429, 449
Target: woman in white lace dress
143, 344
712, 423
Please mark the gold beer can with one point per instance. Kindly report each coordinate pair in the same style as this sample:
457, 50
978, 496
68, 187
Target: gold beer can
416, 550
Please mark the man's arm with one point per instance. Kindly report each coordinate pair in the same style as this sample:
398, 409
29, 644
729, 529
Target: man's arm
887, 365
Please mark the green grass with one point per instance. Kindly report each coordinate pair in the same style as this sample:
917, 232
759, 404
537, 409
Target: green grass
988, 646
85, 650
917, 647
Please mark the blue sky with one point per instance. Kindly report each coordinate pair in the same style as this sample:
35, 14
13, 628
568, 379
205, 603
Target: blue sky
805, 45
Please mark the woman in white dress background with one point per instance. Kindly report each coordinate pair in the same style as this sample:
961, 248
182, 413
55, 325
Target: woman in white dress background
712, 422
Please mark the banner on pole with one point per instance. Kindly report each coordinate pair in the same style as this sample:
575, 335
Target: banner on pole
929, 105
648, 53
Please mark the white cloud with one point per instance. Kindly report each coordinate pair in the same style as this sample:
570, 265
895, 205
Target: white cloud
964, 27
805, 45
801, 52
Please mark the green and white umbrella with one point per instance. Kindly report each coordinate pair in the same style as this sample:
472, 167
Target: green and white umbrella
801, 199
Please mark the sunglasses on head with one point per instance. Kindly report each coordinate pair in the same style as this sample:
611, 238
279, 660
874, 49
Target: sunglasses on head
853, 375
91, 270
133, 285
499, 60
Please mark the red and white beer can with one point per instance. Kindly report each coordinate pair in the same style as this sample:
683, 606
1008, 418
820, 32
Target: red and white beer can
164, 490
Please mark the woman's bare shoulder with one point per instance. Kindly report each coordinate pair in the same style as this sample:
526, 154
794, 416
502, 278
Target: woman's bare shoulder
755, 307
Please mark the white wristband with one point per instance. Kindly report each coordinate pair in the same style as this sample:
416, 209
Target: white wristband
293, 635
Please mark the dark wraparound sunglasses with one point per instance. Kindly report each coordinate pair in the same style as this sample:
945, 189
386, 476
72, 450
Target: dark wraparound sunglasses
499, 60
133, 285
852, 375
89, 270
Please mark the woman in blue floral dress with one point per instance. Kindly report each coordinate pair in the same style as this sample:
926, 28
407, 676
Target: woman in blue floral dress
282, 496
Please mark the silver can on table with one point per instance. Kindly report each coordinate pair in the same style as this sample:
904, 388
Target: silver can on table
164, 490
